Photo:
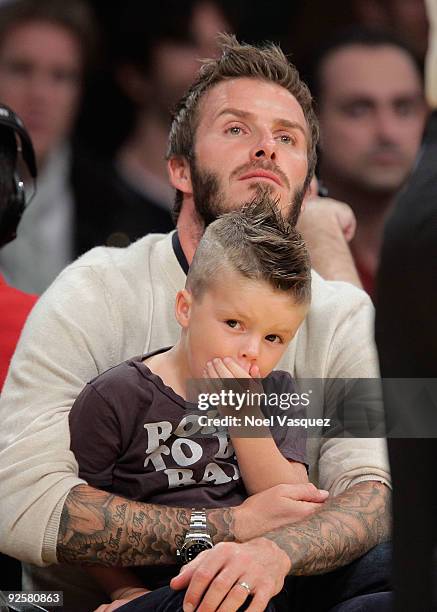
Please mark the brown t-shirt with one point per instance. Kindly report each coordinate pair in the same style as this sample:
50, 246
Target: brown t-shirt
133, 435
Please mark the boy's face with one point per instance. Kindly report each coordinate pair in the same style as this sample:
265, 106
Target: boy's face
236, 317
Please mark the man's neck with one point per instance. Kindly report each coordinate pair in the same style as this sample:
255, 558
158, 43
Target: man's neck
371, 210
189, 229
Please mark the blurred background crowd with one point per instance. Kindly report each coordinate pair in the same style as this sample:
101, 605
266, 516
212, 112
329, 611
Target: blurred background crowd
95, 83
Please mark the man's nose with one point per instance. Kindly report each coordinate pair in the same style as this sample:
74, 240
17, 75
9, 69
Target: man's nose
264, 148
388, 126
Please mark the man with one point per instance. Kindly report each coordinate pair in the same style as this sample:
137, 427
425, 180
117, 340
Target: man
247, 124
46, 48
371, 111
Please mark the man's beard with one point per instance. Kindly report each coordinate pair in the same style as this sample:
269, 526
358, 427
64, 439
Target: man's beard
210, 201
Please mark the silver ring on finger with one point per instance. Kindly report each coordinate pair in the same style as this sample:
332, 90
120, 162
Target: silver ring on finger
245, 586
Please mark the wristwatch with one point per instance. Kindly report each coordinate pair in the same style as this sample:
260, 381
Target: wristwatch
197, 538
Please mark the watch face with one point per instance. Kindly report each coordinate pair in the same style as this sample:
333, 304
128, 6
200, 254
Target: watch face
193, 548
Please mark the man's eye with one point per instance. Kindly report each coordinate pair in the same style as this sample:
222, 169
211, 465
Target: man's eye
234, 130
65, 76
405, 108
19, 68
357, 110
232, 323
287, 139
273, 338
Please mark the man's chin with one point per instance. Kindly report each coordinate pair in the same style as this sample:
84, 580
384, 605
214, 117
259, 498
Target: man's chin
387, 184
256, 190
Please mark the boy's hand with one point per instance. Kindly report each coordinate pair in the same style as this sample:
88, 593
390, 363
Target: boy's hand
271, 509
223, 374
229, 368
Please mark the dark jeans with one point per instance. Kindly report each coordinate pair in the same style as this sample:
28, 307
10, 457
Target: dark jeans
348, 589
380, 602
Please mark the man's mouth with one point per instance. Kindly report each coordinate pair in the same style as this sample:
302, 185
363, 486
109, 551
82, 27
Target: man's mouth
263, 174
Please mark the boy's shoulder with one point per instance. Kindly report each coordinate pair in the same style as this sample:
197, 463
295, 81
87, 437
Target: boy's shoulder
125, 371
129, 381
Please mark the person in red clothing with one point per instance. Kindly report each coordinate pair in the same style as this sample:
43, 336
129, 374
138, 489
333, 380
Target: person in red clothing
15, 305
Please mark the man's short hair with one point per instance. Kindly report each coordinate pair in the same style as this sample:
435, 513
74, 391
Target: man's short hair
237, 60
257, 243
352, 36
73, 15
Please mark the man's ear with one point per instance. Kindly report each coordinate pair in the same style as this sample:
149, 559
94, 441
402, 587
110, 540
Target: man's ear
179, 174
184, 300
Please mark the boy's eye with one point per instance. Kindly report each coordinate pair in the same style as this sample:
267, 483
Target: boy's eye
273, 338
232, 323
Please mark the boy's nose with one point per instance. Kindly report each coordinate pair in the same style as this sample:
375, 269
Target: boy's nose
250, 350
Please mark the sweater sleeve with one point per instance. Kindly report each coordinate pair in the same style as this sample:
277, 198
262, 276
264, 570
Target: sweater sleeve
345, 461
62, 347
341, 345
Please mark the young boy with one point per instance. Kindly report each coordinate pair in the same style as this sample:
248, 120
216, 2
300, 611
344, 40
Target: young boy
134, 433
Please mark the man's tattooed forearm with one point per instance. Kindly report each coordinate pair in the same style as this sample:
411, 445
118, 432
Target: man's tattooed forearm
221, 525
344, 529
100, 528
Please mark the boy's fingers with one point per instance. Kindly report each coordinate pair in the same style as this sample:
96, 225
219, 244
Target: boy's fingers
222, 370
304, 492
235, 368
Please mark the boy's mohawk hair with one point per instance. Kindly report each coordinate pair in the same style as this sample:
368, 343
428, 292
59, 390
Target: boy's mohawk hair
259, 244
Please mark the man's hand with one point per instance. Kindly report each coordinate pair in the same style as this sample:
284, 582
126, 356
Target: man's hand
320, 213
216, 578
327, 226
281, 505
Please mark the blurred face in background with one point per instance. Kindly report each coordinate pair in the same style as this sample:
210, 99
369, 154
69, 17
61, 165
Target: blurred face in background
372, 115
407, 17
174, 63
40, 79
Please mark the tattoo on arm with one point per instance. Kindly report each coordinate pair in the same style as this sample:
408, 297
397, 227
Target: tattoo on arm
100, 528
344, 529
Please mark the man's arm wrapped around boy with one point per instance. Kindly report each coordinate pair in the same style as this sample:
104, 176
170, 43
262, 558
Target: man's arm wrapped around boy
62, 343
